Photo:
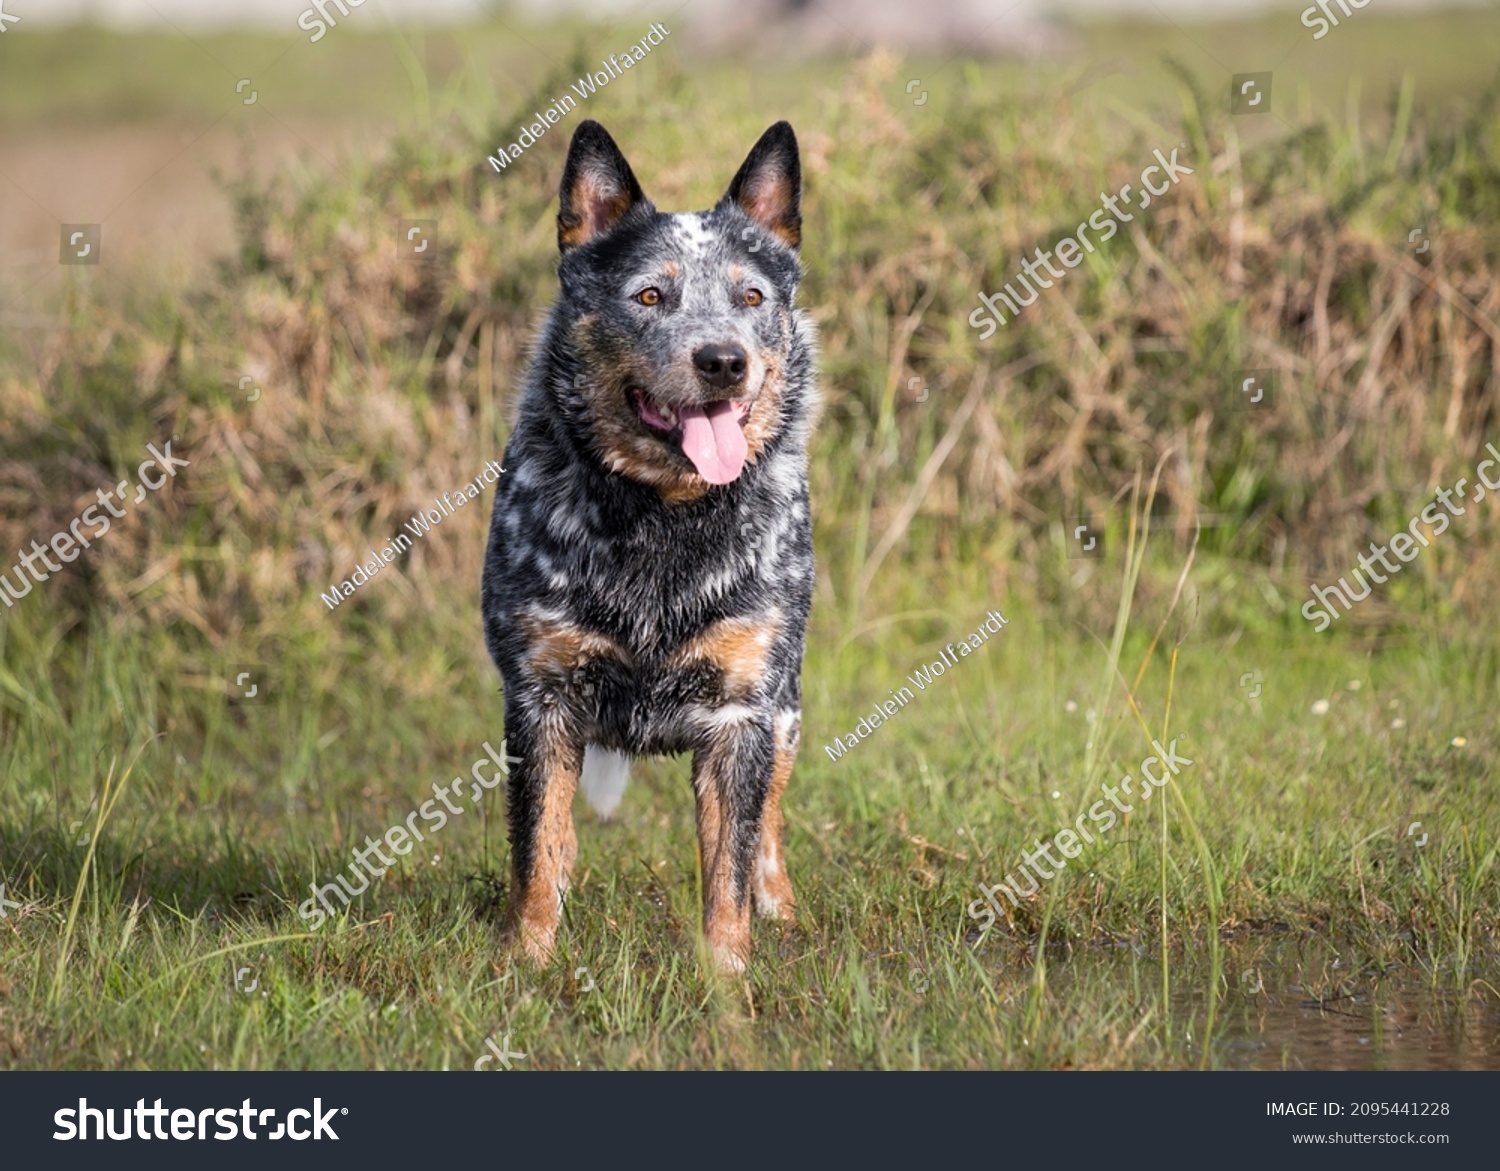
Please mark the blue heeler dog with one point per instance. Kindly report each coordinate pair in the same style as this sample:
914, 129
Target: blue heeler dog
650, 562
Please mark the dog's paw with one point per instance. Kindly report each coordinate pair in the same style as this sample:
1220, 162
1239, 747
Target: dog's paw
536, 943
728, 960
538, 951
727, 937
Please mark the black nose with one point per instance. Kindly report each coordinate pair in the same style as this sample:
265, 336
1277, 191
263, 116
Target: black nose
721, 366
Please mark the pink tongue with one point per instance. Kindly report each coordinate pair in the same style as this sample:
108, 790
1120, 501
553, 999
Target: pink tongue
713, 441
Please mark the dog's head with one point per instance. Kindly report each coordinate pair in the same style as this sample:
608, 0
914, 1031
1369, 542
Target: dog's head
678, 332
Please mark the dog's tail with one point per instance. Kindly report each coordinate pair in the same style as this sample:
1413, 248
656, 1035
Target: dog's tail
605, 775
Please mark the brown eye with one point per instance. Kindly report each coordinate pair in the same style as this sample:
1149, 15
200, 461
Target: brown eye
651, 296
753, 297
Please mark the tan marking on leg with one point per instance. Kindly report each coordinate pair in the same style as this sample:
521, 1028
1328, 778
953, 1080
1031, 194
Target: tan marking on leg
738, 647
558, 648
773, 888
726, 925
536, 903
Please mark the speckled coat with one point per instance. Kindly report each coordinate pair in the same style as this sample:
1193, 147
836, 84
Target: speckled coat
650, 567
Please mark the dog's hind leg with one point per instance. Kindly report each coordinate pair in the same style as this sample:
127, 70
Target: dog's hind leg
539, 811
773, 889
731, 778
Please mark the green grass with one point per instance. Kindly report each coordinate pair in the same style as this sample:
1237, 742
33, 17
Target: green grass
158, 834
125, 950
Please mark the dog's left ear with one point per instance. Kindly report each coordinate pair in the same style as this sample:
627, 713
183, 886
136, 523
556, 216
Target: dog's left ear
769, 184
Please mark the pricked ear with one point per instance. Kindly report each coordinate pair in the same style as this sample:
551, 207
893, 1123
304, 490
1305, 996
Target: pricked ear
598, 187
769, 184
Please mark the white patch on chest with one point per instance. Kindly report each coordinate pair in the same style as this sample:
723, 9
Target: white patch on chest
716, 718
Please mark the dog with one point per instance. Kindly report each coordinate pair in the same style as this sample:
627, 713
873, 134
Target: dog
649, 570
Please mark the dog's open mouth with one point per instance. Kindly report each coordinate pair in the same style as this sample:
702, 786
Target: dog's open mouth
712, 436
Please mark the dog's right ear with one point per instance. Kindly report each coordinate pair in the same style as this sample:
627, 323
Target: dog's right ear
598, 187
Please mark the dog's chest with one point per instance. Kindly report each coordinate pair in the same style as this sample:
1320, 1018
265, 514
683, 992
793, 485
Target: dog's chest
649, 600
648, 580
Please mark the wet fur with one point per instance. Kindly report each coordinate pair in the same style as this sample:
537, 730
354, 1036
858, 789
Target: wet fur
629, 603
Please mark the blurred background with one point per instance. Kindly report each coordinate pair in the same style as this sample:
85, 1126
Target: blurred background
171, 125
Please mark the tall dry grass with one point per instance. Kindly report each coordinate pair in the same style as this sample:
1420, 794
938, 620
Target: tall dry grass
387, 381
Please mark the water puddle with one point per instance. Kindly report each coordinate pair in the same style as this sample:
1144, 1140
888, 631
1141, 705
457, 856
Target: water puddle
1291, 1005
1398, 1021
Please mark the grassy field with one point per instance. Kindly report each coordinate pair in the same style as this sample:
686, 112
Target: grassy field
1276, 905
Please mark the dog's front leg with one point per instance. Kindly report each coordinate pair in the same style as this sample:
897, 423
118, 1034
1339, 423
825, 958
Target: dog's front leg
539, 811
731, 777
